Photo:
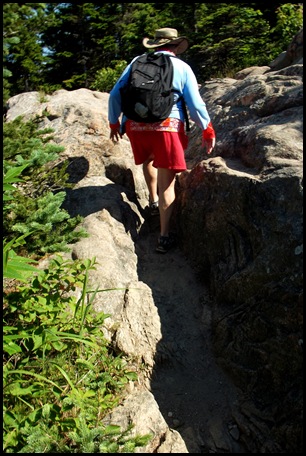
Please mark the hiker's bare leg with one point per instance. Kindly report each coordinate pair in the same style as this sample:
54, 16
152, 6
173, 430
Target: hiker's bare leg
166, 190
150, 175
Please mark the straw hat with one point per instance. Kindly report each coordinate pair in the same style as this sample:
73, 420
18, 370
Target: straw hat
165, 36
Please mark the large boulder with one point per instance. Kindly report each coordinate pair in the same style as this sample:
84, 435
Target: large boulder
239, 216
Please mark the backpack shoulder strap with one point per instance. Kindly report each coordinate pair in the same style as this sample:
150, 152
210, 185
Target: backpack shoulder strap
185, 113
181, 98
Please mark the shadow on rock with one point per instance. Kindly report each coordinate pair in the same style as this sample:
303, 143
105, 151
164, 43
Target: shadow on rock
112, 197
192, 392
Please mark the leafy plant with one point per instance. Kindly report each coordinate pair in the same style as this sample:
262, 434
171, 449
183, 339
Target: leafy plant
289, 21
14, 266
11, 177
61, 377
106, 77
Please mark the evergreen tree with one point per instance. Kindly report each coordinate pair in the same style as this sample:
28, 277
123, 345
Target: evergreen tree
10, 18
23, 58
228, 39
53, 45
80, 39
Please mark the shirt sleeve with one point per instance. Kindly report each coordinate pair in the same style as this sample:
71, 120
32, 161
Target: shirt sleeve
197, 107
114, 101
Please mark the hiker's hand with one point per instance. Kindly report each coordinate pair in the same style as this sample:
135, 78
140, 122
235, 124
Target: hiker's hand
208, 144
115, 134
209, 138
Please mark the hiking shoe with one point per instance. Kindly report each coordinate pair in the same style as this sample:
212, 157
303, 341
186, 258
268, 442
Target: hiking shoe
165, 243
154, 208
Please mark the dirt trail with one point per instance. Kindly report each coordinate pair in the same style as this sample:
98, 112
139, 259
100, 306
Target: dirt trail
193, 394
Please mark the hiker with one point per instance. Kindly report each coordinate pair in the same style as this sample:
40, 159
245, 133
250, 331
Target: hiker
159, 146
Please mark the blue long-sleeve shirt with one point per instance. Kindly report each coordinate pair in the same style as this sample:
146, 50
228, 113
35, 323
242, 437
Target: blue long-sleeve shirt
184, 82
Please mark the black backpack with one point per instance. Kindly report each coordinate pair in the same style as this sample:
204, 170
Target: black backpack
149, 96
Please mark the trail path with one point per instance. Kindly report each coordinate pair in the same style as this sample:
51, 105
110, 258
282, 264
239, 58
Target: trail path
193, 393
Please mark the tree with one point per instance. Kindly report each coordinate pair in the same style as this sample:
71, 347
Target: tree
80, 39
23, 57
229, 38
289, 21
54, 45
10, 20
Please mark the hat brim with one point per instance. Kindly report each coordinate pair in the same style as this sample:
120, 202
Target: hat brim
182, 43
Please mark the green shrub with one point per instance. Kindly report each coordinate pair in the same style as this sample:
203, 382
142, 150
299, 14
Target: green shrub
35, 182
106, 77
61, 377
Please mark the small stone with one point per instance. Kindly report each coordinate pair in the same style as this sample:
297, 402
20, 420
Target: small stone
234, 431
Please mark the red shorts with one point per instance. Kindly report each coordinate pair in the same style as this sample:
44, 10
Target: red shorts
165, 147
